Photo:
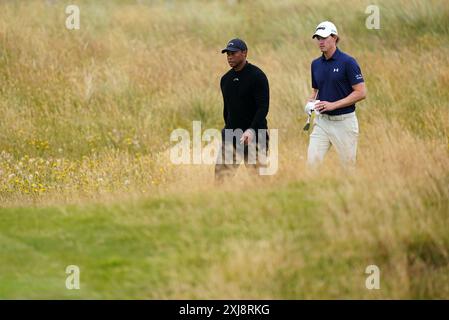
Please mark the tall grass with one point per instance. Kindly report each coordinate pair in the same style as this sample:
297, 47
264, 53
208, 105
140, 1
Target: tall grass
87, 114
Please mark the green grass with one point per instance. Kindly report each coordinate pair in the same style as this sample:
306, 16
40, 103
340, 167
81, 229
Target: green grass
149, 248
259, 244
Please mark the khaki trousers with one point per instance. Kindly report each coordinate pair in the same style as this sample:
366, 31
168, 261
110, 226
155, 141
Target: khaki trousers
341, 131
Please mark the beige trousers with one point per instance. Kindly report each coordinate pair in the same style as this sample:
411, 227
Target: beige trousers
341, 131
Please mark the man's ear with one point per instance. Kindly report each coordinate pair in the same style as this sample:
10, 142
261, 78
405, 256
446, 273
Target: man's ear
245, 52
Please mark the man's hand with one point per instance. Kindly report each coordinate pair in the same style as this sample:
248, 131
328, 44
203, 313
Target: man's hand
310, 106
323, 106
247, 136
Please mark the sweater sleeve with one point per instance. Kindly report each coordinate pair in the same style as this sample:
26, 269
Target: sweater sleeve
262, 99
225, 110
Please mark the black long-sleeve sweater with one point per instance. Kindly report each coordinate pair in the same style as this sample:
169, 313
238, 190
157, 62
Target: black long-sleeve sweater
246, 97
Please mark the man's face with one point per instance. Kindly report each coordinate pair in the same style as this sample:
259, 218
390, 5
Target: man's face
326, 43
235, 57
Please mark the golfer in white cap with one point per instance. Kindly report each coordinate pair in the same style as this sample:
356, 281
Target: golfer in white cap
337, 84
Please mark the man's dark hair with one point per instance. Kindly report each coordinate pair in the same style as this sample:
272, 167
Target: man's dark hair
335, 36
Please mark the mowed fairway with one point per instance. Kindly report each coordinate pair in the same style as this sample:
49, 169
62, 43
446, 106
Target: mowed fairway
86, 178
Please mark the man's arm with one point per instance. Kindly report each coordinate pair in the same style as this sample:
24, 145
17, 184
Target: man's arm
262, 99
314, 85
225, 110
313, 95
358, 94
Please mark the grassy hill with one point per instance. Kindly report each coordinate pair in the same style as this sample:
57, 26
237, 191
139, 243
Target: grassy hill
85, 176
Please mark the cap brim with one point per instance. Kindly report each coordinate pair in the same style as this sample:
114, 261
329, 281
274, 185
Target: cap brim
229, 49
322, 33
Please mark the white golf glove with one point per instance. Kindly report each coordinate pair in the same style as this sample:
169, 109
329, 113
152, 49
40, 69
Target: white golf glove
310, 107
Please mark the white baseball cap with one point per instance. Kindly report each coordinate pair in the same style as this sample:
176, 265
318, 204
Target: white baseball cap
325, 29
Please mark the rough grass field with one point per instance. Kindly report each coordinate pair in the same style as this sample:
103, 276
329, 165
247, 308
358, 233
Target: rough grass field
85, 177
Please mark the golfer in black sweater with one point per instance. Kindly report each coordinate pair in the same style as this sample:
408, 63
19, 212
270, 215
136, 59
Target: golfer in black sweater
246, 99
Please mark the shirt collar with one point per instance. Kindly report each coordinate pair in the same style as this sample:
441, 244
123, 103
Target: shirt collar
335, 56
244, 67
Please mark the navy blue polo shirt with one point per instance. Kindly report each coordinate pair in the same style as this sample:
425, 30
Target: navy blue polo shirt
334, 79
